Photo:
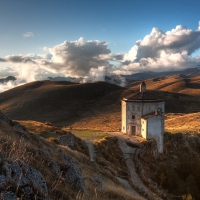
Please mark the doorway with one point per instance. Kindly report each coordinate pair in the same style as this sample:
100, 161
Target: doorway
133, 129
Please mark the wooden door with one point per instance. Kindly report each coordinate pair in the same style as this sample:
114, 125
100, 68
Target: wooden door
133, 129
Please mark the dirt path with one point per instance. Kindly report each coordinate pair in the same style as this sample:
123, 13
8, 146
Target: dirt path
127, 152
92, 153
128, 187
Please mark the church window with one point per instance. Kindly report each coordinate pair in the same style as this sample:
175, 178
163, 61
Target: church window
133, 116
133, 107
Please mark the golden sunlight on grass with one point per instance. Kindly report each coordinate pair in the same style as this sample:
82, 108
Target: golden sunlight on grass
86, 134
182, 123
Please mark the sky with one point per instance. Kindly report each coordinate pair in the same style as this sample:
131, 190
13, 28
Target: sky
85, 38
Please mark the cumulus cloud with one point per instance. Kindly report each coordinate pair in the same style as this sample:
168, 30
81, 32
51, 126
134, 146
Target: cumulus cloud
93, 60
90, 59
97, 74
159, 50
76, 58
28, 34
72, 58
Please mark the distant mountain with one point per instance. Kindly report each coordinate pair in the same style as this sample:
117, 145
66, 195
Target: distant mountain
190, 72
116, 80
59, 78
9, 78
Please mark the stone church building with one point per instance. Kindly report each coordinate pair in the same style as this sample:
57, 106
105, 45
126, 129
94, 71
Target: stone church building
143, 115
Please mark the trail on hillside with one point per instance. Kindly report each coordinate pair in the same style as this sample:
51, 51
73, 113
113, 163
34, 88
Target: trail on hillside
128, 187
92, 153
136, 180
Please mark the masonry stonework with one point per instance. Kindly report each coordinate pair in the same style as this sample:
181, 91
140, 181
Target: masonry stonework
143, 115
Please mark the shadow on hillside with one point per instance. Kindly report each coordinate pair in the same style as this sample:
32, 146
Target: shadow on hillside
65, 104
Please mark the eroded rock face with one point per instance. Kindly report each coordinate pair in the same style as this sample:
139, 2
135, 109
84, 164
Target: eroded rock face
55, 168
23, 178
16, 126
74, 176
8, 196
67, 140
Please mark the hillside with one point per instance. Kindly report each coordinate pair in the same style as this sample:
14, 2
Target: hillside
175, 83
93, 105
61, 103
34, 168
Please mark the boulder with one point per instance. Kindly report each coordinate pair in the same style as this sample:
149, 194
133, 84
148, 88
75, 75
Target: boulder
67, 140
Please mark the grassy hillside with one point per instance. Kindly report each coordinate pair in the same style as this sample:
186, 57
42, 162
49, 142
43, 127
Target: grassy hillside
52, 162
183, 123
95, 106
62, 103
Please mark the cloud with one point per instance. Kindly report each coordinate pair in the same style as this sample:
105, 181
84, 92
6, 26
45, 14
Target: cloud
160, 50
92, 60
70, 58
97, 74
2, 60
28, 34
76, 58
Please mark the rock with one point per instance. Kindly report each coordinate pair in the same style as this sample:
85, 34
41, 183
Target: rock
67, 140
3, 118
55, 168
2, 182
74, 177
67, 160
20, 128
8, 196
99, 180
16, 126
45, 152
23, 176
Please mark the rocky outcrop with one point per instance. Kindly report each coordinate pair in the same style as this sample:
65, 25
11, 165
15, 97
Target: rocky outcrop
148, 147
73, 174
16, 126
18, 178
67, 140
55, 168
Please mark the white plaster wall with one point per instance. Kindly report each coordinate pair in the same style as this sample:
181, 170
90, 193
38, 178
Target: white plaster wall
123, 129
144, 128
155, 131
138, 109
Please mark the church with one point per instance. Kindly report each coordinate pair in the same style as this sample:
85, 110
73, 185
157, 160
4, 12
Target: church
143, 115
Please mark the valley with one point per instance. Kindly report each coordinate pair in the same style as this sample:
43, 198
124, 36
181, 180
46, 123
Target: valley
89, 117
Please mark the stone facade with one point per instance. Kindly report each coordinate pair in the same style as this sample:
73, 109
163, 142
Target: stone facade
143, 115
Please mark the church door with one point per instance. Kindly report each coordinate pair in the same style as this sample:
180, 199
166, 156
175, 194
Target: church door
133, 129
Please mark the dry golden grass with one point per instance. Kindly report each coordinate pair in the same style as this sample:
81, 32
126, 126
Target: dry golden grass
182, 123
38, 127
109, 159
175, 83
94, 106
30, 148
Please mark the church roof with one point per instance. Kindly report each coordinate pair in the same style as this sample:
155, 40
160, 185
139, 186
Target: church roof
143, 96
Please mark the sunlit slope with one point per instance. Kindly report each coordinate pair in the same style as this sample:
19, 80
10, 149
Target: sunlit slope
183, 123
92, 105
176, 83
